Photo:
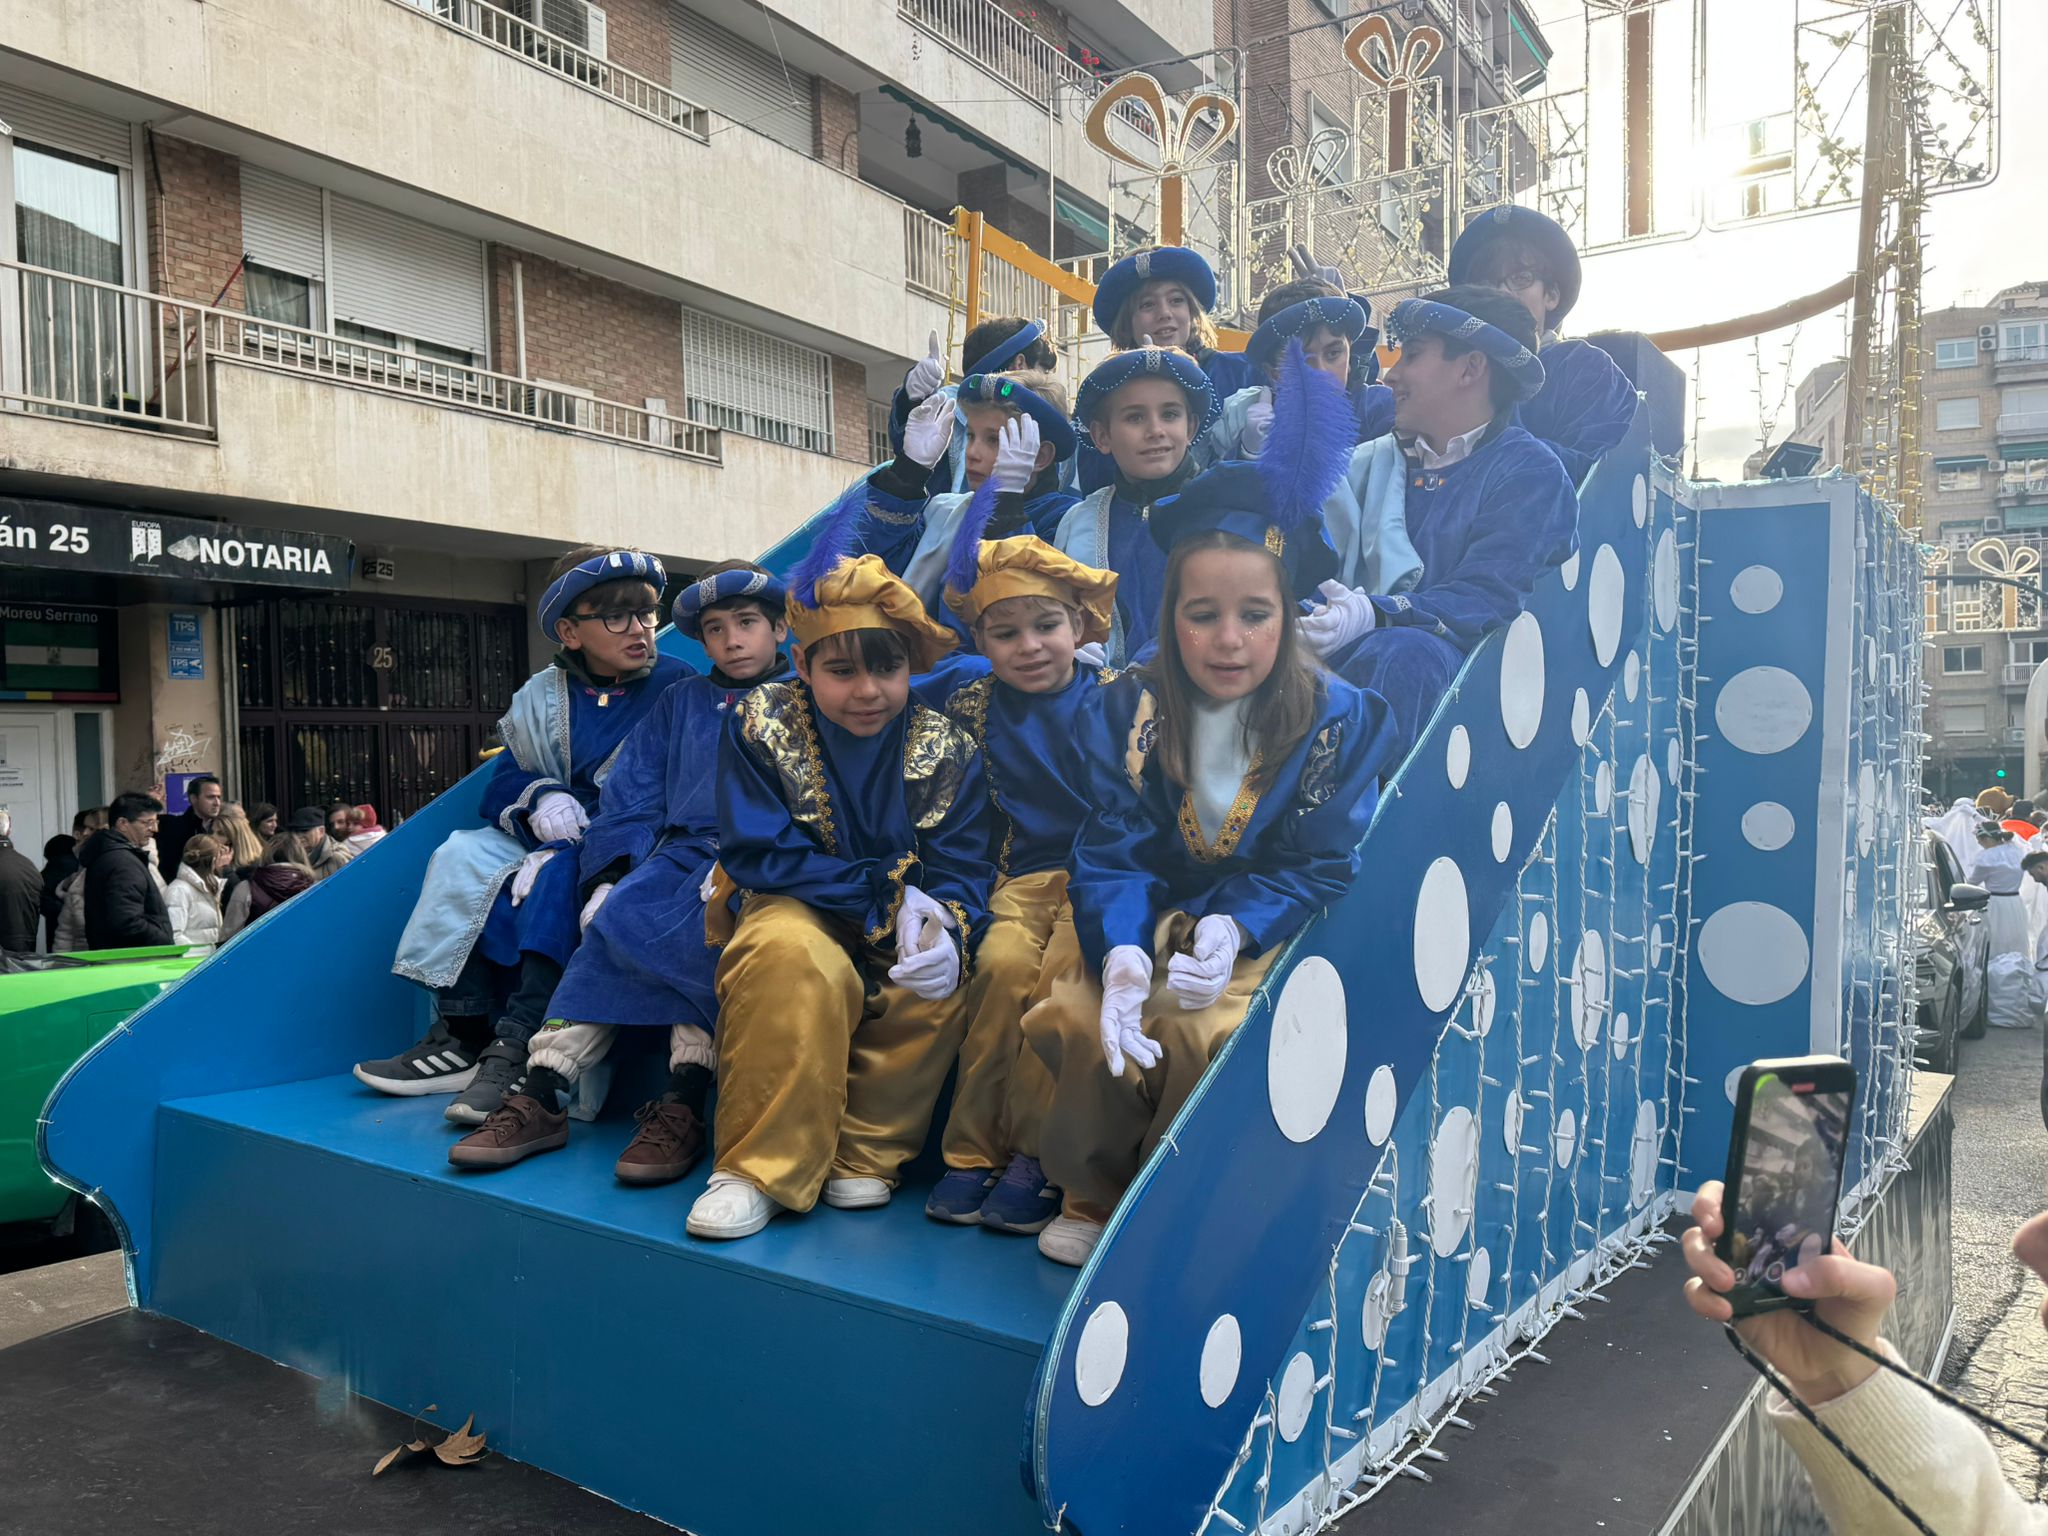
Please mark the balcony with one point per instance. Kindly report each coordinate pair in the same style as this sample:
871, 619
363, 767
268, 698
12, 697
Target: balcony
2017, 674
2024, 484
2023, 424
2018, 364
505, 32
1001, 44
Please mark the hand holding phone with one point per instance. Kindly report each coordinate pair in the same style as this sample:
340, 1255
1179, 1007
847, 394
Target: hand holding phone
1784, 1179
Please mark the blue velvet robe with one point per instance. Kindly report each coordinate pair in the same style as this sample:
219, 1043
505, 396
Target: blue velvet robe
643, 959
600, 720
842, 823
1584, 407
1296, 850
1485, 528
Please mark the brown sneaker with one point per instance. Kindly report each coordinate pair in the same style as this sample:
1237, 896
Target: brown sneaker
518, 1128
667, 1145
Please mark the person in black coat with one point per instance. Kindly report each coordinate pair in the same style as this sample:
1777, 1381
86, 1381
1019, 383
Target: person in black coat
123, 907
21, 896
200, 815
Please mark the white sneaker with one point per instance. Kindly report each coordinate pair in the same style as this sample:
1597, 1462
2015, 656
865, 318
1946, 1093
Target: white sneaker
855, 1194
1069, 1240
730, 1207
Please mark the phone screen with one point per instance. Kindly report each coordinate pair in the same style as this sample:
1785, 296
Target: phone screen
1791, 1176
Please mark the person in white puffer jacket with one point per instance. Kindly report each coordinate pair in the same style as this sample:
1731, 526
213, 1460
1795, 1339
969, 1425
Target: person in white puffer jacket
194, 897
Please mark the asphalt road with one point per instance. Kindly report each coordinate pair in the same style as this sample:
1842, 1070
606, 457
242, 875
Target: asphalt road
1999, 1357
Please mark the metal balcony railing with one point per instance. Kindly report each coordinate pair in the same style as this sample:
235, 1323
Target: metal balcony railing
2037, 353
95, 351
930, 249
522, 39
2032, 481
1001, 44
2017, 674
879, 450
2015, 422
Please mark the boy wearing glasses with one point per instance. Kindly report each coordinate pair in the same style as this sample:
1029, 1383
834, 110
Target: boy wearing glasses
496, 919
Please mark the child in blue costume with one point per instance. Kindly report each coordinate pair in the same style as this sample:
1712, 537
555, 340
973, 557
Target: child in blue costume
1030, 709
497, 909
646, 856
1005, 344
1586, 403
1336, 338
1233, 780
1019, 436
855, 822
1144, 409
1486, 507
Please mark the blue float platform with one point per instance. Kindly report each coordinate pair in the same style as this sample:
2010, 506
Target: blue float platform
321, 1225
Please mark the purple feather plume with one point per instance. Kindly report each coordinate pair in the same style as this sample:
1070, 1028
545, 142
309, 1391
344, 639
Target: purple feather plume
1314, 430
963, 561
833, 543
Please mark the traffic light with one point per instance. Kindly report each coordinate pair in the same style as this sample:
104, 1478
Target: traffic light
2000, 773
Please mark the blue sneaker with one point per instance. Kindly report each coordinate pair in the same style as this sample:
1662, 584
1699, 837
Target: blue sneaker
956, 1198
1022, 1202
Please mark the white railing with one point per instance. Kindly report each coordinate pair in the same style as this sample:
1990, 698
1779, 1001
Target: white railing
879, 449
2022, 421
2018, 673
1001, 44
930, 249
2030, 481
558, 55
2038, 353
96, 351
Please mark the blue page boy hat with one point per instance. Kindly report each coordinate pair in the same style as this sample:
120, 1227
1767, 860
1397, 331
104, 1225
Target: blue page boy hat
1532, 228
1170, 263
614, 565
702, 593
1119, 368
1417, 317
1342, 314
998, 389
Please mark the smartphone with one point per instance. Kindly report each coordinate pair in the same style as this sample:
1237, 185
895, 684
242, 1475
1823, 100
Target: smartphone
1784, 1174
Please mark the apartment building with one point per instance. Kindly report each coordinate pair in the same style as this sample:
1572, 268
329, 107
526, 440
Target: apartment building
326, 324
1984, 435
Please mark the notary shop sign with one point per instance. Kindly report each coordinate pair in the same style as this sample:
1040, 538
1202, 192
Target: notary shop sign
71, 536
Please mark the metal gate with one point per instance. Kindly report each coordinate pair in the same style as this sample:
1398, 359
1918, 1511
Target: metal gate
385, 700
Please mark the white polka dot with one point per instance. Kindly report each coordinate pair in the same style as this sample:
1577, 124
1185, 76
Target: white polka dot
1539, 941
1664, 582
1099, 1357
1605, 589
1753, 952
1639, 500
1618, 1036
1763, 710
1673, 761
1222, 1353
1564, 1140
1377, 1310
1631, 676
1458, 756
1767, 825
1443, 935
1603, 787
1582, 718
1453, 1179
1589, 989
1756, 589
1642, 1155
1380, 1104
1644, 792
1866, 808
1481, 993
1305, 1050
1732, 1083
1478, 1276
1511, 1122
1297, 1395
1503, 832
1570, 571
1657, 947
1521, 679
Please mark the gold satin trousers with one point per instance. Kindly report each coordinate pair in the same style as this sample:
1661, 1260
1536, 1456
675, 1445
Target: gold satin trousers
1000, 1094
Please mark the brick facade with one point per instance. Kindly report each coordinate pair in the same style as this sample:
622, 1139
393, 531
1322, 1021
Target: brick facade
587, 332
636, 37
835, 131
849, 410
195, 227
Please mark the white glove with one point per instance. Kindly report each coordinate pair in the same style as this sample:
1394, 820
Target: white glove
1346, 614
1126, 983
590, 907
921, 924
928, 431
709, 888
1197, 979
1016, 454
528, 872
1258, 424
926, 374
1092, 654
557, 818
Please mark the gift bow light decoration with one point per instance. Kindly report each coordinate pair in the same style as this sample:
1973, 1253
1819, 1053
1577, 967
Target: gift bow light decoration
1396, 67
1173, 129
2014, 563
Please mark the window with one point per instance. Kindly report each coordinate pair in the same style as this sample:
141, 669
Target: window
67, 216
758, 385
1959, 474
1957, 659
2030, 652
1963, 719
283, 298
1957, 415
2024, 409
2023, 340
1956, 352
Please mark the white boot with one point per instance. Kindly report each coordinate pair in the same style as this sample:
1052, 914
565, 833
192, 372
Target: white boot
856, 1194
1069, 1240
730, 1207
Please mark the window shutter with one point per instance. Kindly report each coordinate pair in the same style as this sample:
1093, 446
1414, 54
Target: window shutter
281, 223
749, 382
395, 274
599, 38
738, 80
59, 125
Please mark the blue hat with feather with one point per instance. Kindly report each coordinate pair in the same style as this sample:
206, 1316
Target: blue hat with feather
1276, 500
612, 565
1165, 263
1054, 425
1119, 368
700, 594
